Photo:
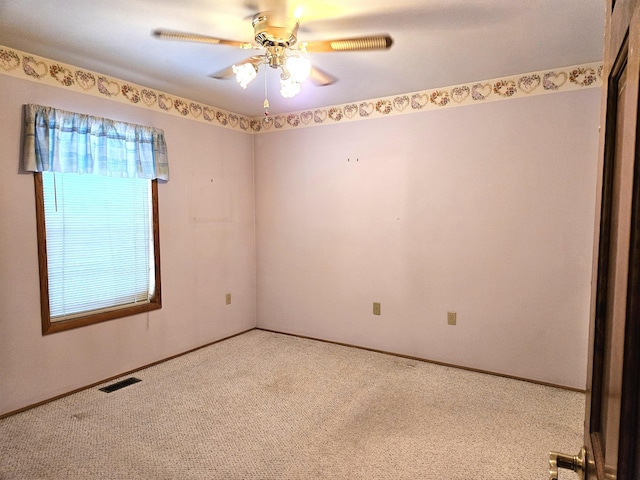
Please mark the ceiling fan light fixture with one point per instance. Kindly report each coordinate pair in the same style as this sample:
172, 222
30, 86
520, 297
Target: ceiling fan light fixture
275, 33
299, 68
245, 73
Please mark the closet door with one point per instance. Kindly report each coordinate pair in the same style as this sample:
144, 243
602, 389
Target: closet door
611, 414
612, 422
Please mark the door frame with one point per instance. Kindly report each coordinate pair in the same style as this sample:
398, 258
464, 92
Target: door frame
622, 52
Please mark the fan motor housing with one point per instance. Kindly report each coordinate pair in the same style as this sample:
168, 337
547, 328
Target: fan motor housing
274, 30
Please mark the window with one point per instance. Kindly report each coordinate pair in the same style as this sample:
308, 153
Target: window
97, 215
98, 247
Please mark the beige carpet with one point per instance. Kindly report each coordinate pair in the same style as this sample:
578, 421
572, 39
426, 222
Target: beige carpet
268, 406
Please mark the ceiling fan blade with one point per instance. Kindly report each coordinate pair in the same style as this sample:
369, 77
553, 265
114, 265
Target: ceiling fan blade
194, 37
372, 42
228, 72
321, 78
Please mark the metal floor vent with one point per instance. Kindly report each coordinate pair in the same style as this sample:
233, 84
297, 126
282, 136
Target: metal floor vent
121, 384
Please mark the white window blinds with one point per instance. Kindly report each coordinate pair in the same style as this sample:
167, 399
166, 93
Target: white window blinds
99, 241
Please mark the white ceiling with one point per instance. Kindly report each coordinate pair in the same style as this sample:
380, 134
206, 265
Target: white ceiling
437, 43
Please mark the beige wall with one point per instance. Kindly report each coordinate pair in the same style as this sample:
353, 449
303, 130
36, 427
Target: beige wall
207, 249
485, 210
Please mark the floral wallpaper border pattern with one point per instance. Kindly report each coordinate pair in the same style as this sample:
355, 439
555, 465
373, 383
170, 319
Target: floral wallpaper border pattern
563, 79
26, 66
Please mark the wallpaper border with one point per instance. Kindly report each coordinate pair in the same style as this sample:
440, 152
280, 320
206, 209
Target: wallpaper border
30, 67
563, 79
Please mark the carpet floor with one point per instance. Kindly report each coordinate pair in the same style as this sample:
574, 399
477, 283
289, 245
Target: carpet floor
269, 406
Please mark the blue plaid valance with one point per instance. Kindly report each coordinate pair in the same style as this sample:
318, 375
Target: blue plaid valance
58, 141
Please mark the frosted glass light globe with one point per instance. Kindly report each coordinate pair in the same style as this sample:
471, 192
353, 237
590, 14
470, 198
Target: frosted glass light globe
299, 68
245, 73
289, 88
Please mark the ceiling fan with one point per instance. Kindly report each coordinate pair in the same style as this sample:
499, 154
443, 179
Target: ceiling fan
275, 35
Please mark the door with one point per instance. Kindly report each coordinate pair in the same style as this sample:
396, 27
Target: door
612, 422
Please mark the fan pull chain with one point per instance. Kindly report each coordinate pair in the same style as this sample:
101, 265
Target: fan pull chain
266, 100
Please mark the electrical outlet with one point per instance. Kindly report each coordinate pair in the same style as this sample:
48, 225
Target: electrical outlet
376, 308
451, 318
228, 299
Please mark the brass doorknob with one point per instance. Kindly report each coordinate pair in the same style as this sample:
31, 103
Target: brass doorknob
560, 460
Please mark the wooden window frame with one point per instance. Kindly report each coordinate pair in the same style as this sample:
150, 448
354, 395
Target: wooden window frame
48, 326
